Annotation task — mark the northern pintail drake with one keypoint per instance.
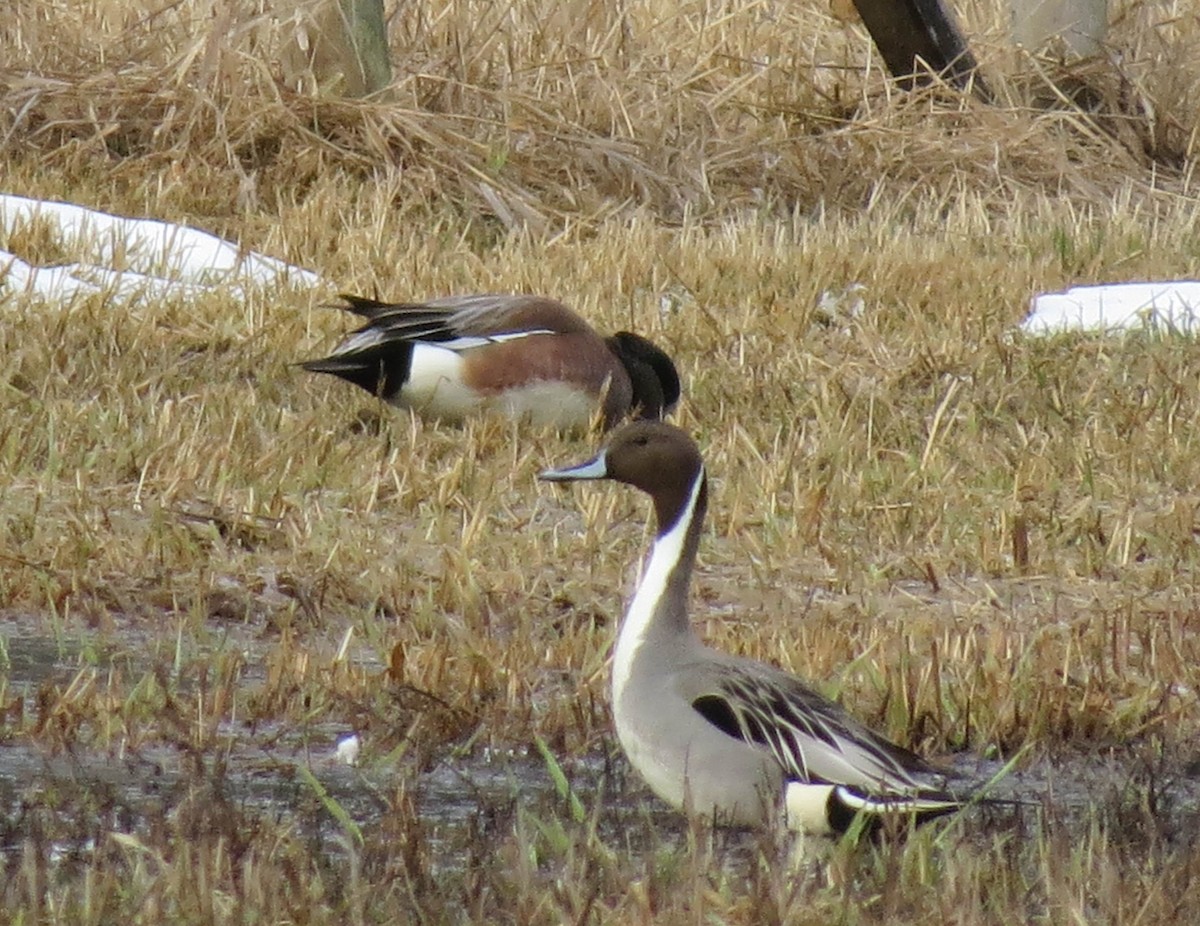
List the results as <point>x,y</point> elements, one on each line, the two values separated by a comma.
<point>723,736</point>
<point>525,357</point>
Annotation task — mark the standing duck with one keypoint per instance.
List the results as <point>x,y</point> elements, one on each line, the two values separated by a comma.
<point>722,736</point>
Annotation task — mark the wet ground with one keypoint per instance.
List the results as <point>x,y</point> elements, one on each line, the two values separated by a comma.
<point>68,798</point>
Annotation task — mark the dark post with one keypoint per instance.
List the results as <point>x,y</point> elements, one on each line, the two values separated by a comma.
<point>915,35</point>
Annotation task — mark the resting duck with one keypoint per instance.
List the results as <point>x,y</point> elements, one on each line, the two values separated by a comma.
<point>525,357</point>
<point>723,736</point>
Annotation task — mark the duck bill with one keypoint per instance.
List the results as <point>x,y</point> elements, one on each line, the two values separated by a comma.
<point>595,468</point>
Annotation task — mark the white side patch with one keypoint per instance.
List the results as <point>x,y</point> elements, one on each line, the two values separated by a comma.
<point>806,808</point>
<point>664,557</point>
<point>807,805</point>
<point>435,383</point>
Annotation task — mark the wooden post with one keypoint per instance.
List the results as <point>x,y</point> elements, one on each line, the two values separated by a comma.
<point>341,45</point>
<point>366,33</point>
<point>1079,25</point>
<point>909,32</point>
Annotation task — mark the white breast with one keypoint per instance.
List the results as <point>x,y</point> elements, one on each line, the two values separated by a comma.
<point>547,403</point>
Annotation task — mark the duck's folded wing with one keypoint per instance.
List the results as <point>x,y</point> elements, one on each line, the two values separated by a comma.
<point>492,315</point>
<point>461,322</point>
<point>813,739</point>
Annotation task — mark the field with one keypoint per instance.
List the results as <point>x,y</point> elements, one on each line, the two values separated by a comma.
<point>212,563</point>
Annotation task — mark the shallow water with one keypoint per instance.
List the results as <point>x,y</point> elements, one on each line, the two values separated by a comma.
<point>76,795</point>
<point>260,771</point>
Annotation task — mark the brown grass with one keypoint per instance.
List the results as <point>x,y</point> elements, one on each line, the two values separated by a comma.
<point>983,543</point>
<point>543,115</point>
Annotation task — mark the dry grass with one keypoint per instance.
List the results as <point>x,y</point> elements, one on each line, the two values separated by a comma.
<point>983,543</point>
<point>543,116</point>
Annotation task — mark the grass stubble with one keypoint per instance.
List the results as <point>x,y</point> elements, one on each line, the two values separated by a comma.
<point>981,542</point>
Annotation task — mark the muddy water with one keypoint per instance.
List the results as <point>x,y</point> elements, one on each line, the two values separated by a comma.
<point>263,772</point>
<point>77,795</point>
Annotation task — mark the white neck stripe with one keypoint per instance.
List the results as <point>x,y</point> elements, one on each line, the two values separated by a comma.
<point>664,557</point>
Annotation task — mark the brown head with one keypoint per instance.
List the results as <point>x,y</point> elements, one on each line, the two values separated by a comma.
<point>658,458</point>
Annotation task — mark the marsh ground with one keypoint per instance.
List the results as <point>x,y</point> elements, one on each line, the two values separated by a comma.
<point>214,564</point>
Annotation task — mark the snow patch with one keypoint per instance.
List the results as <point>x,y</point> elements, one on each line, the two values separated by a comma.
<point>131,258</point>
<point>1117,307</point>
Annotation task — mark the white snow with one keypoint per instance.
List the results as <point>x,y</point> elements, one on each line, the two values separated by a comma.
<point>1117,307</point>
<point>130,258</point>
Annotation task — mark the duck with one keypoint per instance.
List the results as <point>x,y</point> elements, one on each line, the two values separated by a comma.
<point>525,357</point>
<point>726,737</point>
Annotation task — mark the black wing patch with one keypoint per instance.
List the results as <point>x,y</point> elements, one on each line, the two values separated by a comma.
<point>716,710</point>
<point>791,720</point>
<point>750,726</point>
